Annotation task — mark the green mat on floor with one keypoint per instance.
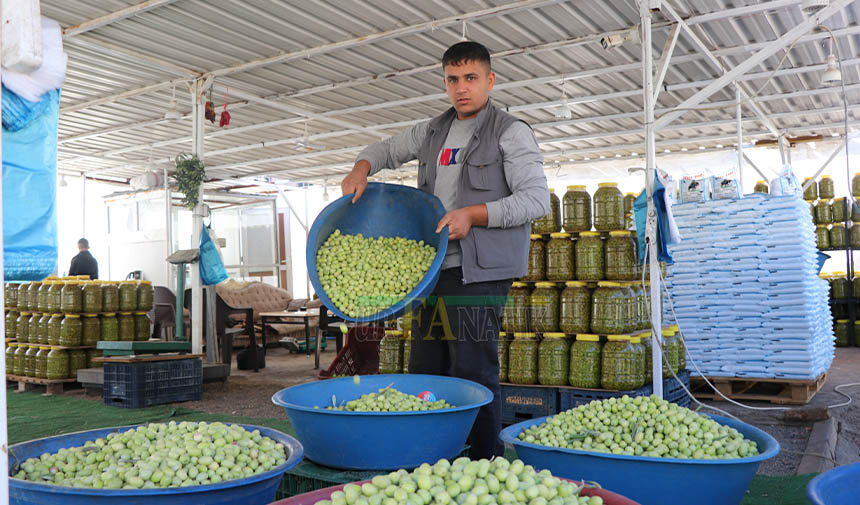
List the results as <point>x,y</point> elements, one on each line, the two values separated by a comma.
<point>31,415</point>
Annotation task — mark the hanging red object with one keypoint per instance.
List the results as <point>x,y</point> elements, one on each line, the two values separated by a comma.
<point>225,116</point>
<point>209,112</point>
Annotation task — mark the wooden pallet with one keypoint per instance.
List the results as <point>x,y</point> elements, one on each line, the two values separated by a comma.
<point>52,386</point>
<point>778,391</point>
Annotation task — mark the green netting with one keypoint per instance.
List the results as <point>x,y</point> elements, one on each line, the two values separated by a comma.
<point>790,490</point>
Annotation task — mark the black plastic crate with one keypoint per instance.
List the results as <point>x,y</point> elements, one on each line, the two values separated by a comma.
<point>673,392</point>
<point>520,403</point>
<point>139,385</point>
<point>573,397</point>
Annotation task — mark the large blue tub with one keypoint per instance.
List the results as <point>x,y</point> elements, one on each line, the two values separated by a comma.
<point>257,489</point>
<point>384,210</point>
<point>382,440</point>
<point>653,481</point>
<point>839,486</point>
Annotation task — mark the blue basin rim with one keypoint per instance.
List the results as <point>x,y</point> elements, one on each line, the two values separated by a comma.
<point>291,444</point>
<point>509,435</point>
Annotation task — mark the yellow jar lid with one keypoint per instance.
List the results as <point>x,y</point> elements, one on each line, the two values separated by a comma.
<point>583,337</point>
<point>807,178</point>
<point>552,190</point>
<point>553,334</point>
<point>33,346</point>
<point>559,234</point>
<point>821,226</point>
<point>618,338</point>
<point>589,234</point>
<point>109,314</point>
<point>51,278</point>
<point>145,282</point>
<point>12,344</point>
<point>761,182</point>
<point>675,328</point>
<point>631,194</point>
<point>576,187</point>
<point>90,315</point>
<point>140,313</point>
<point>825,177</point>
<point>635,340</point>
<point>839,224</point>
<point>644,335</point>
<point>619,233</point>
<point>24,313</point>
<point>73,282</point>
<point>846,321</point>
<point>73,315</point>
<point>518,284</point>
<point>82,277</point>
<point>840,199</point>
<point>125,313</point>
<point>576,284</point>
<point>394,333</point>
<point>607,185</point>
<point>544,284</point>
<point>609,284</point>
<point>668,332</point>
<point>526,334</point>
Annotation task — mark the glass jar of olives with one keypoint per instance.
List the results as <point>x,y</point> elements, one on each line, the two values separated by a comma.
<point>559,257</point>
<point>590,259</point>
<point>839,210</point>
<point>761,187</point>
<point>823,213</point>
<point>629,201</point>
<point>91,355</point>
<point>838,236</point>
<point>70,331</point>
<point>622,366</point>
<point>11,299</point>
<point>645,340</point>
<point>822,237</point>
<point>20,359</point>
<point>110,296</point>
<point>854,235</point>
<point>54,300</point>
<point>523,359</point>
<point>516,313</point>
<point>92,297</point>
<point>551,222</point>
<point>11,321</point>
<point>585,357</point>
<point>608,207</point>
<point>553,360</point>
<point>127,296</point>
<point>54,325</point>
<point>109,327</point>
<point>43,328</point>
<point>33,295</point>
<point>855,287</point>
<point>577,209</point>
<point>825,188</point>
<point>811,191</point>
<point>537,259</point>
<point>11,349</point>
<point>22,327</point>
<point>30,363</point>
<point>391,352</point>
<point>33,328</point>
<point>57,363</point>
<point>543,307</point>
<point>90,329</point>
<point>141,326</point>
<point>125,322</point>
<point>682,349</point>
<point>609,308</point>
<point>840,286</point>
<point>42,296</point>
<point>670,350</point>
<point>72,297</point>
<point>575,308</point>
<point>40,363</point>
<point>145,294</point>
<point>502,349</point>
<point>621,252</point>
<point>855,184</point>
<point>24,296</point>
<point>77,360</point>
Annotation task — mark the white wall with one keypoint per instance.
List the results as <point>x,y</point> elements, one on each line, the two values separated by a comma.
<point>70,215</point>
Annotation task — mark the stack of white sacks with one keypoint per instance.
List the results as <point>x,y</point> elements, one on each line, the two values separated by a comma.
<point>746,290</point>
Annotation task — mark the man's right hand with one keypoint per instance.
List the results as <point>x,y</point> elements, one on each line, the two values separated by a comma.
<point>356,181</point>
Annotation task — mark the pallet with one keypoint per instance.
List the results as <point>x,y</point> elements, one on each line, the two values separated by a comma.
<point>777,391</point>
<point>52,386</point>
<point>145,358</point>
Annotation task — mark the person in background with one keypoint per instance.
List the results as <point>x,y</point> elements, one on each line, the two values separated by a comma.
<point>487,169</point>
<point>84,263</point>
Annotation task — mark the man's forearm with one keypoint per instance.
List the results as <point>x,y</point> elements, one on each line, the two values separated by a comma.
<point>478,213</point>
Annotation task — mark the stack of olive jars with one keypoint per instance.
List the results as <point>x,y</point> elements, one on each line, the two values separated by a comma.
<point>837,222</point>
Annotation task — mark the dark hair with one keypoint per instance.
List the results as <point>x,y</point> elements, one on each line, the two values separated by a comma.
<point>462,52</point>
<point>84,243</point>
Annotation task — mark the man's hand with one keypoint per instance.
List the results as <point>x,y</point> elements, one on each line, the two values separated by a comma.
<point>356,181</point>
<point>460,221</point>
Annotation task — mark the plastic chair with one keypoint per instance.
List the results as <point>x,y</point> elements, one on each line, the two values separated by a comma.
<point>224,333</point>
<point>163,313</point>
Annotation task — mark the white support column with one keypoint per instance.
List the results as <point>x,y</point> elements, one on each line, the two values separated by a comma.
<point>650,170</point>
<point>740,129</point>
<point>781,144</point>
<point>83,204</point>
<point>168,230</point>
<point>196,283</point>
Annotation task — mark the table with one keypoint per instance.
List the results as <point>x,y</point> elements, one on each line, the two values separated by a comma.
<point>268,318</point>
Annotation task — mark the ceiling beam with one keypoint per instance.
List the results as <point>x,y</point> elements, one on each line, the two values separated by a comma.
<point>113,17</point>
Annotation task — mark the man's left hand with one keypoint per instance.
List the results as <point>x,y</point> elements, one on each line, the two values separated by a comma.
<point>460,221</point>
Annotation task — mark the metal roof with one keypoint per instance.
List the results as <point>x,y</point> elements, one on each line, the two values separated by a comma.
<point>354,71</point>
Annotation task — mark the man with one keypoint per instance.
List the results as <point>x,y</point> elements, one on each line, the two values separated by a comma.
<point>486,168</point>
<point>84,263</point>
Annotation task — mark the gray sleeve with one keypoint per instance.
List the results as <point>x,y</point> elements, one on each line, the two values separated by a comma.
<point>395,151</point>
<point>524,174</point>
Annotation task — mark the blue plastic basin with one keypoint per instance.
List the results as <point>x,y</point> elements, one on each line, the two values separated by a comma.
<point>257,489</point>
<point>839,486</point>
<point>382,440</point>
<point>653,481</point>
<point>384,210</point>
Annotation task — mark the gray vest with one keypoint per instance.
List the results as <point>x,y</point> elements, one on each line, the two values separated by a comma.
<point>488,254</point>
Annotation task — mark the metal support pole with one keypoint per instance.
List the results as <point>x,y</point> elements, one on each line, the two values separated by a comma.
<point>307,271</point>
<point>781,143</point>
<point>180,302</point>
<point>196,283</point>
<point>830,159</point>
<point>650,170</point>
<point>168,228</point>
<point>740,129</point>
<point>83,205</point>
<point>755,167</point>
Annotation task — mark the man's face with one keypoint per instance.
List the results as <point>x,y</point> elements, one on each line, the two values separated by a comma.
<point>468,86</point>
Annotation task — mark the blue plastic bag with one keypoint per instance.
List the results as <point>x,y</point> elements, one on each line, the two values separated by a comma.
<point>640,211</point>
<point>212,269</point>
<point>30,190</point>
<point>18,112</point>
